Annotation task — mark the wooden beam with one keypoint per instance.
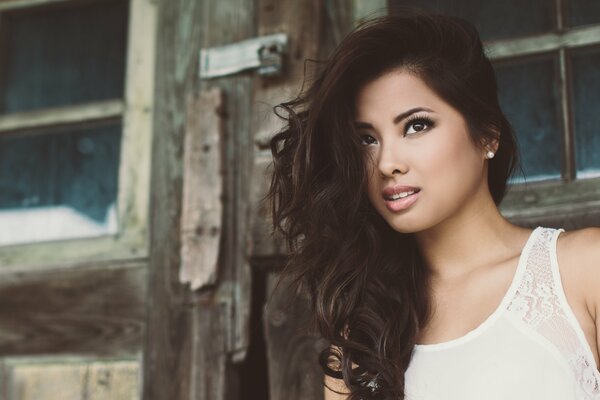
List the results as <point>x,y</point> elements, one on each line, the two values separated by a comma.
<point>294,371</point>
<point>304,23</point>
<point>16,4</point>
<point>575,37</point>
<point>314,27</point>
<point>194,337</point>
<point>551,198</point>
<point>60,116</point>
<point>136,144</point>
<point>223,23</point>
<point>168,343</point>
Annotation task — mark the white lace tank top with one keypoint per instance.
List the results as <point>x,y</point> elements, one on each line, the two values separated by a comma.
<point>530,348</point>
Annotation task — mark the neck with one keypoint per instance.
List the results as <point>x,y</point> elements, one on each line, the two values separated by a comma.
<point>474,237</point>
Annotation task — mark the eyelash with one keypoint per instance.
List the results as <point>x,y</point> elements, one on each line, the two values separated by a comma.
<point>412,120</point>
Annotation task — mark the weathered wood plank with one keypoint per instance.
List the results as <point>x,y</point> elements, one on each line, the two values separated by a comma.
<point>569,221</point>
<point>92,310</point>
<point>47,382</point>
<point>209,321</point>
<point>117,380</point>
<point>294,371</point>
<point>538,199</point>
<point>43,379</point>
<point>264,243</point>
<point>229,22</point>
<point>202,207</point>
<point>174,366</point>
<point>302,21</point>
<point>168,344</point>
<point>136,147</point>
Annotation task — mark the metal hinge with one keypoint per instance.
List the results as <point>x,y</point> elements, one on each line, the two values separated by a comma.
<point>263,53</point>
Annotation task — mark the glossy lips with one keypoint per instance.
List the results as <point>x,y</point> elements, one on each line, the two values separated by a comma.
<point>402,203</point>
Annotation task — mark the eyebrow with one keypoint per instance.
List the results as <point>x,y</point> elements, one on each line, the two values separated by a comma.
<point>397,118</point>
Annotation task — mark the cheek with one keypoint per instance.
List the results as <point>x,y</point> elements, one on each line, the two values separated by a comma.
<point>453,166</point>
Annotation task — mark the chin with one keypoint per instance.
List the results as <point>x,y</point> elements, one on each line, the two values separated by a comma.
<point>405,229</point>
<point>402,223</point>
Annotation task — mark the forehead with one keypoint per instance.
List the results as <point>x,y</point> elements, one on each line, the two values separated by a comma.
<point>399,90</point>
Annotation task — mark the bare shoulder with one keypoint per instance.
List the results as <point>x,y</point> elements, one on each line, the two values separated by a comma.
<point>338,386</point>
<point>333,385</point>
<point>579,252</point>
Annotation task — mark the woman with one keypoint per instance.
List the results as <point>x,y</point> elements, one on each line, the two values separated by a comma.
<point>386,184</point>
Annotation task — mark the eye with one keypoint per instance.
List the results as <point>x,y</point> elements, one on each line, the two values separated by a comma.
<point>419,123</point>
<point>367,139</point>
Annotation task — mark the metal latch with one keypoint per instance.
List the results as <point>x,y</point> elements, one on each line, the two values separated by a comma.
<point>263,53</point>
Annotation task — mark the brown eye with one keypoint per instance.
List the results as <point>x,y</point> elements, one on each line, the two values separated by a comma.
<point>367,139</point>
<point>418,124</point>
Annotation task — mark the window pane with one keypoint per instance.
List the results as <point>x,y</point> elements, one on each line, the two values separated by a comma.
<point>583,12</point>
<point>494,19</point>
<point>529,95</point>
<point>59,185</point>
<point>586,98</point>
<point>63,55</point>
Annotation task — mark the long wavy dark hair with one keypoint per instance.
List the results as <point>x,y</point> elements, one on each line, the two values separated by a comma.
<point>367,283</point>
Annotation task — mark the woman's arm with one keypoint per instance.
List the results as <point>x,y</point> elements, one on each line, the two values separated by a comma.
<point>582,256</point>
<point>590,247</point>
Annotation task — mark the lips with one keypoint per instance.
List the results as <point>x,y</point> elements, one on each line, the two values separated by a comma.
<point>402,203</point>
<point>389,191</point>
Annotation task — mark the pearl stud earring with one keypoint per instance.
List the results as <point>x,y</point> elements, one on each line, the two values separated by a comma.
<point>490,154</point>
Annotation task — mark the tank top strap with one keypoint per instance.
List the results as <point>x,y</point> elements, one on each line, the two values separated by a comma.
<point>541,304</point>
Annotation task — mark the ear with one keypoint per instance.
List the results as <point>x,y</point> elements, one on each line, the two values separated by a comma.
<point>492,144</point>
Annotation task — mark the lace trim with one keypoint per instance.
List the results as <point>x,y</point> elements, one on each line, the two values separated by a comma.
<point>538,304</point>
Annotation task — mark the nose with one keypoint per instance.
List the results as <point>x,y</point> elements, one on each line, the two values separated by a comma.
<point>391,160</point>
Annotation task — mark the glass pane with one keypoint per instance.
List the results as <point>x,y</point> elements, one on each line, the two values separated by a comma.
<point>586,99</point>
<point>59,185</point>
<point>583,12</point>
<point>63,55</point>
<point>494,19</point>
<point>529,95</point>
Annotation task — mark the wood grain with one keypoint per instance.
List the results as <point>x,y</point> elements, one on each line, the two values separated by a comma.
<point>294,372</point>
<point>183,356</point>
<point>64,380</point>
<point>202,209</point>
<point>93,310</point>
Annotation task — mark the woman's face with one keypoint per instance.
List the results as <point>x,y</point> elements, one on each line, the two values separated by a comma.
<point>418,140</point>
